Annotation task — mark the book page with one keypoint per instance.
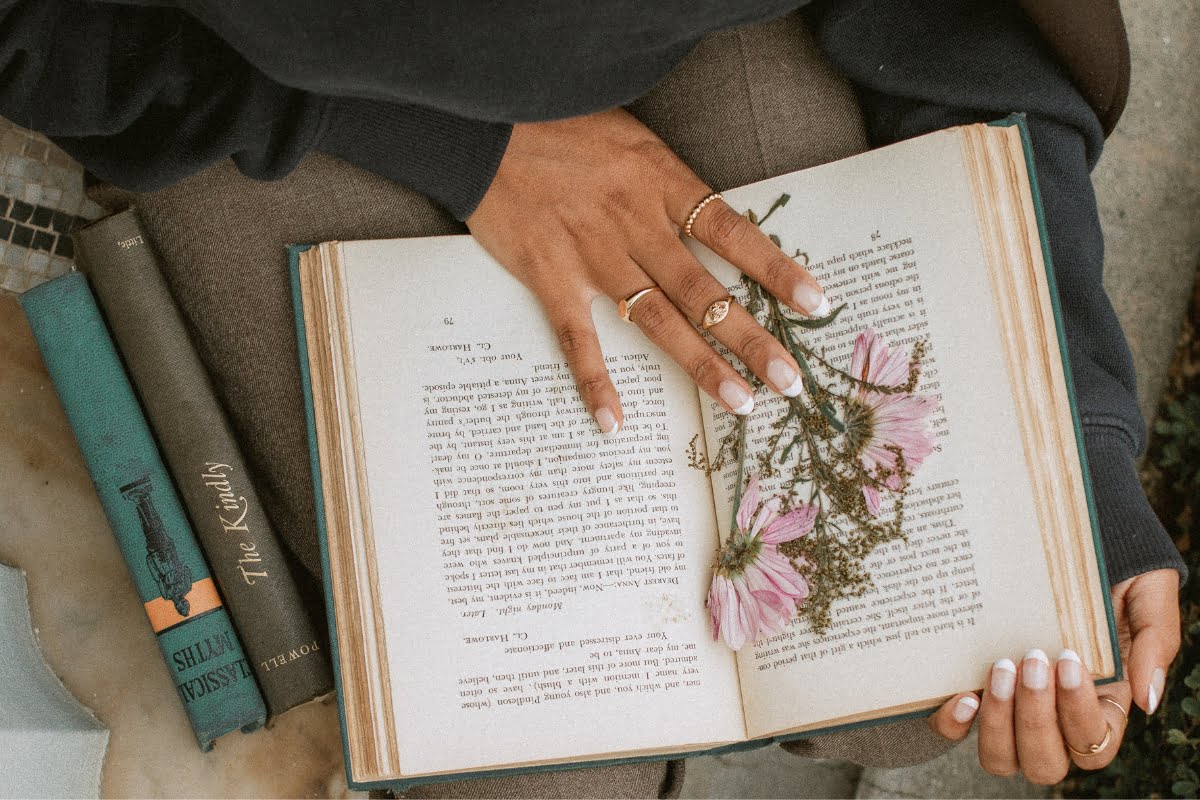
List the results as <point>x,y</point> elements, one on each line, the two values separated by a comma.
<point>542,584</point>
<point>893,234</point>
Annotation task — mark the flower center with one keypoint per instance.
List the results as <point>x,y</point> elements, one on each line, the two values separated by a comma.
<point>860,426</point>
<point>739,552</point>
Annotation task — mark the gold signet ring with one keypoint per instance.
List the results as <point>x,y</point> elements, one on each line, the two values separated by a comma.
<point>717,312</point>
<point>625,307</point>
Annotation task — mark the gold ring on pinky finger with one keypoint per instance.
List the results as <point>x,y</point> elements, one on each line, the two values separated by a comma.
<point>1093,748</point>
<point>1121,708</point>
<point>687,226</point>
<point>625,307</point>
<point>717,312</point>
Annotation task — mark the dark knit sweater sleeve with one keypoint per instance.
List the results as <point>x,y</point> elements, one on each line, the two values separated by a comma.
<point>144,96</point>
<point>922,65</point>
<point>451,159</point>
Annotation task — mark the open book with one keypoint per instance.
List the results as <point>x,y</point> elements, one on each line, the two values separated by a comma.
<point>510,589</point>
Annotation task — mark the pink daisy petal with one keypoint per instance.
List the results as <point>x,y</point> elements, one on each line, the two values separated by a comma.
<point>766,516</point>
<point>871,495</point>
<point>792,525</point>
<point>773,614</point>
<point>749,504</point>
<point>872,361</point>
<point>731,616</point>
<point>802,594</point>
<point>747,619</point>
<point>714,605</point>
<point>774,570</point>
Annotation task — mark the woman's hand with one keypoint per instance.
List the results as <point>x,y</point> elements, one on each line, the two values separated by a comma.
<point>1031,711</point>
<point>593,206</point>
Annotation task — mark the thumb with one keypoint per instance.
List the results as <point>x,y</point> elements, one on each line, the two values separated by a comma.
<point>1151,606</point>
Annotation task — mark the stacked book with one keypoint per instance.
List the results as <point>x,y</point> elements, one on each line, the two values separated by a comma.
<point>218,591</point>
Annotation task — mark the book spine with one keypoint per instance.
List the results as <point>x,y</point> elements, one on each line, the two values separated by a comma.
<point>199,447</point>
<point>197,639</point>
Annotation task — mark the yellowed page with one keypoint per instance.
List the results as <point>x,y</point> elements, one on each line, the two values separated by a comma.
<point>894,234</point>
<point>542,584</point>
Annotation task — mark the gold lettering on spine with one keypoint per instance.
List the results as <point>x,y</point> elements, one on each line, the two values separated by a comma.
<point>232,509</point>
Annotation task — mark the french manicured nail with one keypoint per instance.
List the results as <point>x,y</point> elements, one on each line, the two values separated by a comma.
<point>812,300</point>
<point>740,401</point>
<point>1158,682</point>
<point>965,708</point>
<point>1070,669</point>
<point>784,378</point>
<point>607,420</point>
<point>1004,679</point>
<point>1035,670</point>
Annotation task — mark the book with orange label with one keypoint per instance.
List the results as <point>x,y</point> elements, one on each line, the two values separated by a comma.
<point>198,642</point>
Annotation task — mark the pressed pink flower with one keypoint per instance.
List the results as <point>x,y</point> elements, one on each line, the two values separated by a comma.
<point>755,589</point>
<point>871,495</point>
<point>878,424</point>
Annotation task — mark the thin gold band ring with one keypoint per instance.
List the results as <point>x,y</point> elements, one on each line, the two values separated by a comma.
<point>625,307</point>
<point>1093,749</point>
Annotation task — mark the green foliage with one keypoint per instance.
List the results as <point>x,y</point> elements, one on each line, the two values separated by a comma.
<point>1179,427</point>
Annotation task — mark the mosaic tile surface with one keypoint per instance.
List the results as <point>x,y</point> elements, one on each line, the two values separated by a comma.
<point>41,202</point>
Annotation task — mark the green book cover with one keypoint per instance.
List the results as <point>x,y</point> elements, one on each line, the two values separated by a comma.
<point>197,639</point>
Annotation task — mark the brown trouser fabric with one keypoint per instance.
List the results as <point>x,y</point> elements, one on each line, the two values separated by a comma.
<point>747,104</point>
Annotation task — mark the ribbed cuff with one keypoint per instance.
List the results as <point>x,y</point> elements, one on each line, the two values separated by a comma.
<point>1134,540</point>
<point>449,158</point>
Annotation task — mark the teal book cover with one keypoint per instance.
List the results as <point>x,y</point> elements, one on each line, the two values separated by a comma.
<point>403,784</point>
<point>199,645</point>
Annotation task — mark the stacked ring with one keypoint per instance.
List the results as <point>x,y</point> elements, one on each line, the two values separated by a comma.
<point>687,226</point>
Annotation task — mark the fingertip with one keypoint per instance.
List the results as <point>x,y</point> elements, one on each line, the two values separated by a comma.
<point>1148,657</point>
<point>609,422</point>
<point>736,397</point>
<point>808,298</point>
<point>954,719</point>
<point>1154,691</point>
<point>965,709</point>
<point>1071,674</point>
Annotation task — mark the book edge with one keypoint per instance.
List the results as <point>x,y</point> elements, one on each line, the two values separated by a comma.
<point>1018,121</point>
<point>310,424</point>
<point>404,784</point>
